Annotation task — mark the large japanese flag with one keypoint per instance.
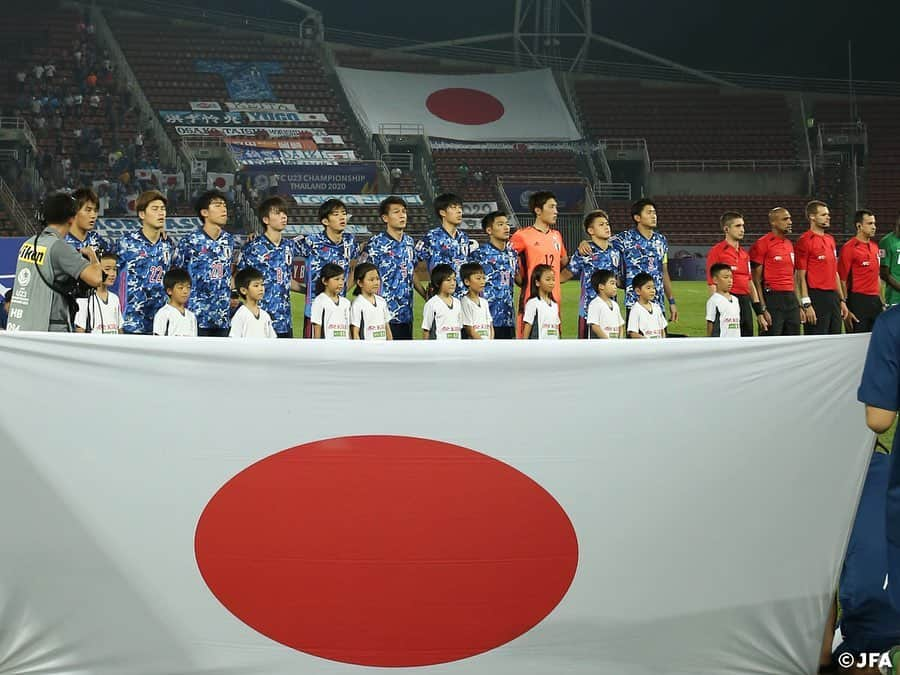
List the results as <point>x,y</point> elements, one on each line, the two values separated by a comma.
<point>198,506</point>
<point>506,107</point>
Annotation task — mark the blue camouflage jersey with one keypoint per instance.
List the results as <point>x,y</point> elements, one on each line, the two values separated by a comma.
<point>640,254</point>
<point>583,267</point>
<point>319,250</point>
<point>438,247</point>
<point>91,239</point>
<point>142,266</point>
<point>500,272</point>
<point>209,263</point>
<point>275,262</point>
<point>395,261</point>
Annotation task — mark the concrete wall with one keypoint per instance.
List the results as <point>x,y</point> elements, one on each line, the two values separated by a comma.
<point>792,182</point>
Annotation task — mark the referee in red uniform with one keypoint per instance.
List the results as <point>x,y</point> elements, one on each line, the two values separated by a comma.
<point>729,252</point>
<point>772,261</point>
<point>821,296</point>
<point>858,266</point>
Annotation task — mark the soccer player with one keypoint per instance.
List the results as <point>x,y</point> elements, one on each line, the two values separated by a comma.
<point>647,320</point>
<point>604,318</point>
<point>540,244</point>
<point>273,255</point>
<point>207,254</point>
<point>101,312</point>
<point>476,312</point>
<point>729,252</point>
<point>540,320</point>
<point>251,320</point>
<point>174,318</point>
<point>772,262</point>
<point>331,310</point>
<point>446,244</point>
<point>723,312</point>
<point>144,258</point>
<point>393,253</point>
<point>441,316</point>
<point>82,232</point>
<point>501,266</point>
<point>890,265</point>
<point>645,251</point>
<point>603,256</point>
<point>370,318</point>
<point>858,270</point>
<point>816,256</point>
<point>331,245</point>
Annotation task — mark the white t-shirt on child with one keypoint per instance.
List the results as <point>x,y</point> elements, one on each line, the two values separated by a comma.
<point>169,321</point>
<point>543,317</point>
<point>370,318</point>
<point>333,317</point>
<point>477,315</point>
<point>245,325</point>
<point>651,324</point>
<point>442,321</point>
<point>606,314</point>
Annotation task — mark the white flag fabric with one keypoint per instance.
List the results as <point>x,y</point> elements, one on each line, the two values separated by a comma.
<point>219,181</point>
<point>199,506</point>
<point>524,106</point>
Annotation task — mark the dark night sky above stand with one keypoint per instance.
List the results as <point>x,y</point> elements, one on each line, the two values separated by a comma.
<point>783,37</point>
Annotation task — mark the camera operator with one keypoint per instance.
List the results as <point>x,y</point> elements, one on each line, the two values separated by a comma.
<point>48,272</point>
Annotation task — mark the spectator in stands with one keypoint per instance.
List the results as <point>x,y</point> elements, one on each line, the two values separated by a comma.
<point>21,77</point>
<point>478,176</point>
<point>729,252</point>
<point>603,256</point>
<point>540,244</point>
<point>821,298</point>
<point>645,250</point>
<point>858,270</point>
<point>273,255</point>
<point>396,175</point>
<point>50,71</point>
<point>393,254</point>
<point>38,71</point>
<point>331,245</point>
<point>889,249</point>
<point>463,171</point>
<point>446,244</point>
<point>44,302</point>
<point>772,264</point>
<point>501,267</point>
<point>82,232</point>
<point>208,256</point>
<point>145,255</point>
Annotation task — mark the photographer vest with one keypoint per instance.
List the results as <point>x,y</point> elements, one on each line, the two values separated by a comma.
<point>32,296</point>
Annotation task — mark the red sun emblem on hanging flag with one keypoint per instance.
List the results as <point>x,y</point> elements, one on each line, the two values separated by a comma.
<point>465,106</point>
<point>220,183</point>
<point>386,550</point>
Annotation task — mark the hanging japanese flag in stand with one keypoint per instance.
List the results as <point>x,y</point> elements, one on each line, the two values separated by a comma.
<point>219,181</point>
<point>426,529</point>
<point>524,106</point>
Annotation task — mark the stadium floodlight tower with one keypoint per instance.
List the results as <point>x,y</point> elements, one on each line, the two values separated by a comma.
<point>539,26</point>
<point>311,25</point>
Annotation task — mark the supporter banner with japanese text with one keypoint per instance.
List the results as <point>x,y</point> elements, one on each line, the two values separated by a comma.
<point>249,156</point>
<point>201,117</point>
<point>274,132</point>
<point>283,116</point>
<point>252,106</point>
<point>374,523</point>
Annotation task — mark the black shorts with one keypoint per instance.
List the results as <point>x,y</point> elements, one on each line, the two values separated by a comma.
<point>289,334</point>
<point>212,332</point>
<point>504,332</point>
<point>401,331</point>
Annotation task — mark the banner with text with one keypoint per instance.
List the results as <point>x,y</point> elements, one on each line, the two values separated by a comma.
<point>569,196</point>
<point>201,117</point>
<point>205,105</point>
<point>473,212</point>
<point>273,132</point>
<point>286,116</point>
<point>353,200</point>
<point>250,106</point>
<point>256,157</point>
<point>338,179</point>
<point>327,543</point>
<point>245,80</point>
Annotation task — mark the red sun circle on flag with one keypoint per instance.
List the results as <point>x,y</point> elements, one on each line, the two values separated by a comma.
<point>219,183</point>
<point>386,551</point>
<point>465,106</point>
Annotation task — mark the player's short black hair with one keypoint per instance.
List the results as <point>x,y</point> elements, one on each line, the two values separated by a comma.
<point>387,202</point>
<point>638,207</point>
<point>245,277</point>
<point>445,201</point>
<point>640,279</point>
<point>538,199</point>
<point>716,269</point>
<point>468,269</point>
<point>203,201</point>
<point>108,255</point>
<point>275,203</point>
<point>600,277</point>
<point>59,208</point>
<point>859,215</point>
<point>489,219</point>
<point>328,207</point>
<point>84,195</point>
<point>592,216</point>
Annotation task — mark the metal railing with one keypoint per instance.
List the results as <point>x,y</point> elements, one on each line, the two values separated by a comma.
<point>401,129</point>
<point>730,165</point>
<point>809,153</point>
<point>844,134</point>
<point>399,160</point>
<point>24,224</point>
<point>636,145</point>
<point>22,125</point>
<point>613,191</point>
<point>505,204</point>
<point>8,153</point>
<point>427,178</point>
